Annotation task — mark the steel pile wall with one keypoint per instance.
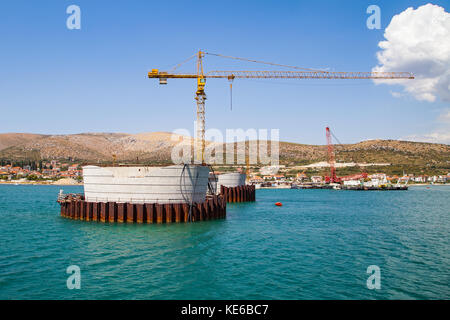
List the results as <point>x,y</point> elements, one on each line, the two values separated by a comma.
<point>213,208</point>
<point>238,194</point>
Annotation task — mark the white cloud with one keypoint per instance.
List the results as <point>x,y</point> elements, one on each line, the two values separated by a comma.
<point>397,94</point>
<point>440,135</point>
<point>418,41</point>
<point>433,137</point>
<point>445,117</point>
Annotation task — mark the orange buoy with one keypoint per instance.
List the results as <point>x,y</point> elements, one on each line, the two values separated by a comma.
<point>278,204</point>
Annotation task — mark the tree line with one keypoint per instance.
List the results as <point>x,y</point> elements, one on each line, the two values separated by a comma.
<point>34,165</point>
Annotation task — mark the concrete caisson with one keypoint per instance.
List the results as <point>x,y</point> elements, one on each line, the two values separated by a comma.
<point>144,195</point>
<point>233,188</point>
<point>172,184</point>
<point>231,180</point>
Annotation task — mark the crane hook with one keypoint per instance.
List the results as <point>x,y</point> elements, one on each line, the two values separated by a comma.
<point>231,78</point>
<point>231,96</point>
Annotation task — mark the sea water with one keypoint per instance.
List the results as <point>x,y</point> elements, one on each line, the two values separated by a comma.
<point>318,245</point>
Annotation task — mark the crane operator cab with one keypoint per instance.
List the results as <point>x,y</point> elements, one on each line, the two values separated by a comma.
<point>201,82</point>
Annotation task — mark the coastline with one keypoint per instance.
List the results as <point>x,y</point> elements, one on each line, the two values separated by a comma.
<point>55,183</point>
<point>70,183</point>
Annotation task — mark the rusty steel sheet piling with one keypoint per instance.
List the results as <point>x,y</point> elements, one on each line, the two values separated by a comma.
<point>89,209</point>
<point>103,211</point>
<point>121,212</point>
<point>112,212</point>
<point>140,213</point>
<point>177,209</point>
<point>238,194</point>
<point>159,213</point>
<point>131,212</point>
<point>150,212</point>
<point>214,207</point>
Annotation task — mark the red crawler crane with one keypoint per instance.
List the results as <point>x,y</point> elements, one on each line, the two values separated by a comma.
<point>331,160</point>
<point>332,178</point>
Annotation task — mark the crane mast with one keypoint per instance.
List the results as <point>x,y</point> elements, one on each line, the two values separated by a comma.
<point>201,77</point>
<point>200,97</point>
<point>331,159</point>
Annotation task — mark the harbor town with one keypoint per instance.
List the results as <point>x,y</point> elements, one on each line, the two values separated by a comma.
<point>56,172</point>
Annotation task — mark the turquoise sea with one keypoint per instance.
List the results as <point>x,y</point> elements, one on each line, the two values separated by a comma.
<point>318,245</point>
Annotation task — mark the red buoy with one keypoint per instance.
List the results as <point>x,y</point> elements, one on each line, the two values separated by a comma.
<point>278,204</point>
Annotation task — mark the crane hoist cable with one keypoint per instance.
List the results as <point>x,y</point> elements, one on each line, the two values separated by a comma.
<point>263,62</point>
<point>254,61</point>
<point>182,62</point>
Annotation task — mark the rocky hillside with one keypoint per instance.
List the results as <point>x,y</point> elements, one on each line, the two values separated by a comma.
<point>89,147</point>
<point>14,139</point>
<point>157,147</point>
<point>371,151</point>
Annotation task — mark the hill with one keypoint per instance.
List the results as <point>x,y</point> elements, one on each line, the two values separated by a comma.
<point>13,139</point>
<point>156,147</point>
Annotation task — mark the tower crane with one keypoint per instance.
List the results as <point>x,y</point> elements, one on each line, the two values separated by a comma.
<point>300,73</point>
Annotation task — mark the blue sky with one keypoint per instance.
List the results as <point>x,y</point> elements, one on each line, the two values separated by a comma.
<point>55,80</point>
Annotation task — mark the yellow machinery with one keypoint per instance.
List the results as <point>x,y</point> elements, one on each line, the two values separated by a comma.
<point>305,73</point>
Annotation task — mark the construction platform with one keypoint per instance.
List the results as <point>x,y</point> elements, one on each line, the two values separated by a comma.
<point>375,188</point>
<point>358,187</point>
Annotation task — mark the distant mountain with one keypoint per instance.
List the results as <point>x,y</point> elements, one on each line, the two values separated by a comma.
<point>98,147</point>
<point>157,147</point>
<point>14,139</point>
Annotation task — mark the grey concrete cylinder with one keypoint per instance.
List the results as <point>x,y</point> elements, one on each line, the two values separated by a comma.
<point>172,184</point>
<point>231,180</point>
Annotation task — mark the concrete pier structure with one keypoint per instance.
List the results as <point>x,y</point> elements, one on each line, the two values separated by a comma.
<point>172,184</point>
<point>144,195</point>
<point>231,180</point>
<point>233,188</point>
